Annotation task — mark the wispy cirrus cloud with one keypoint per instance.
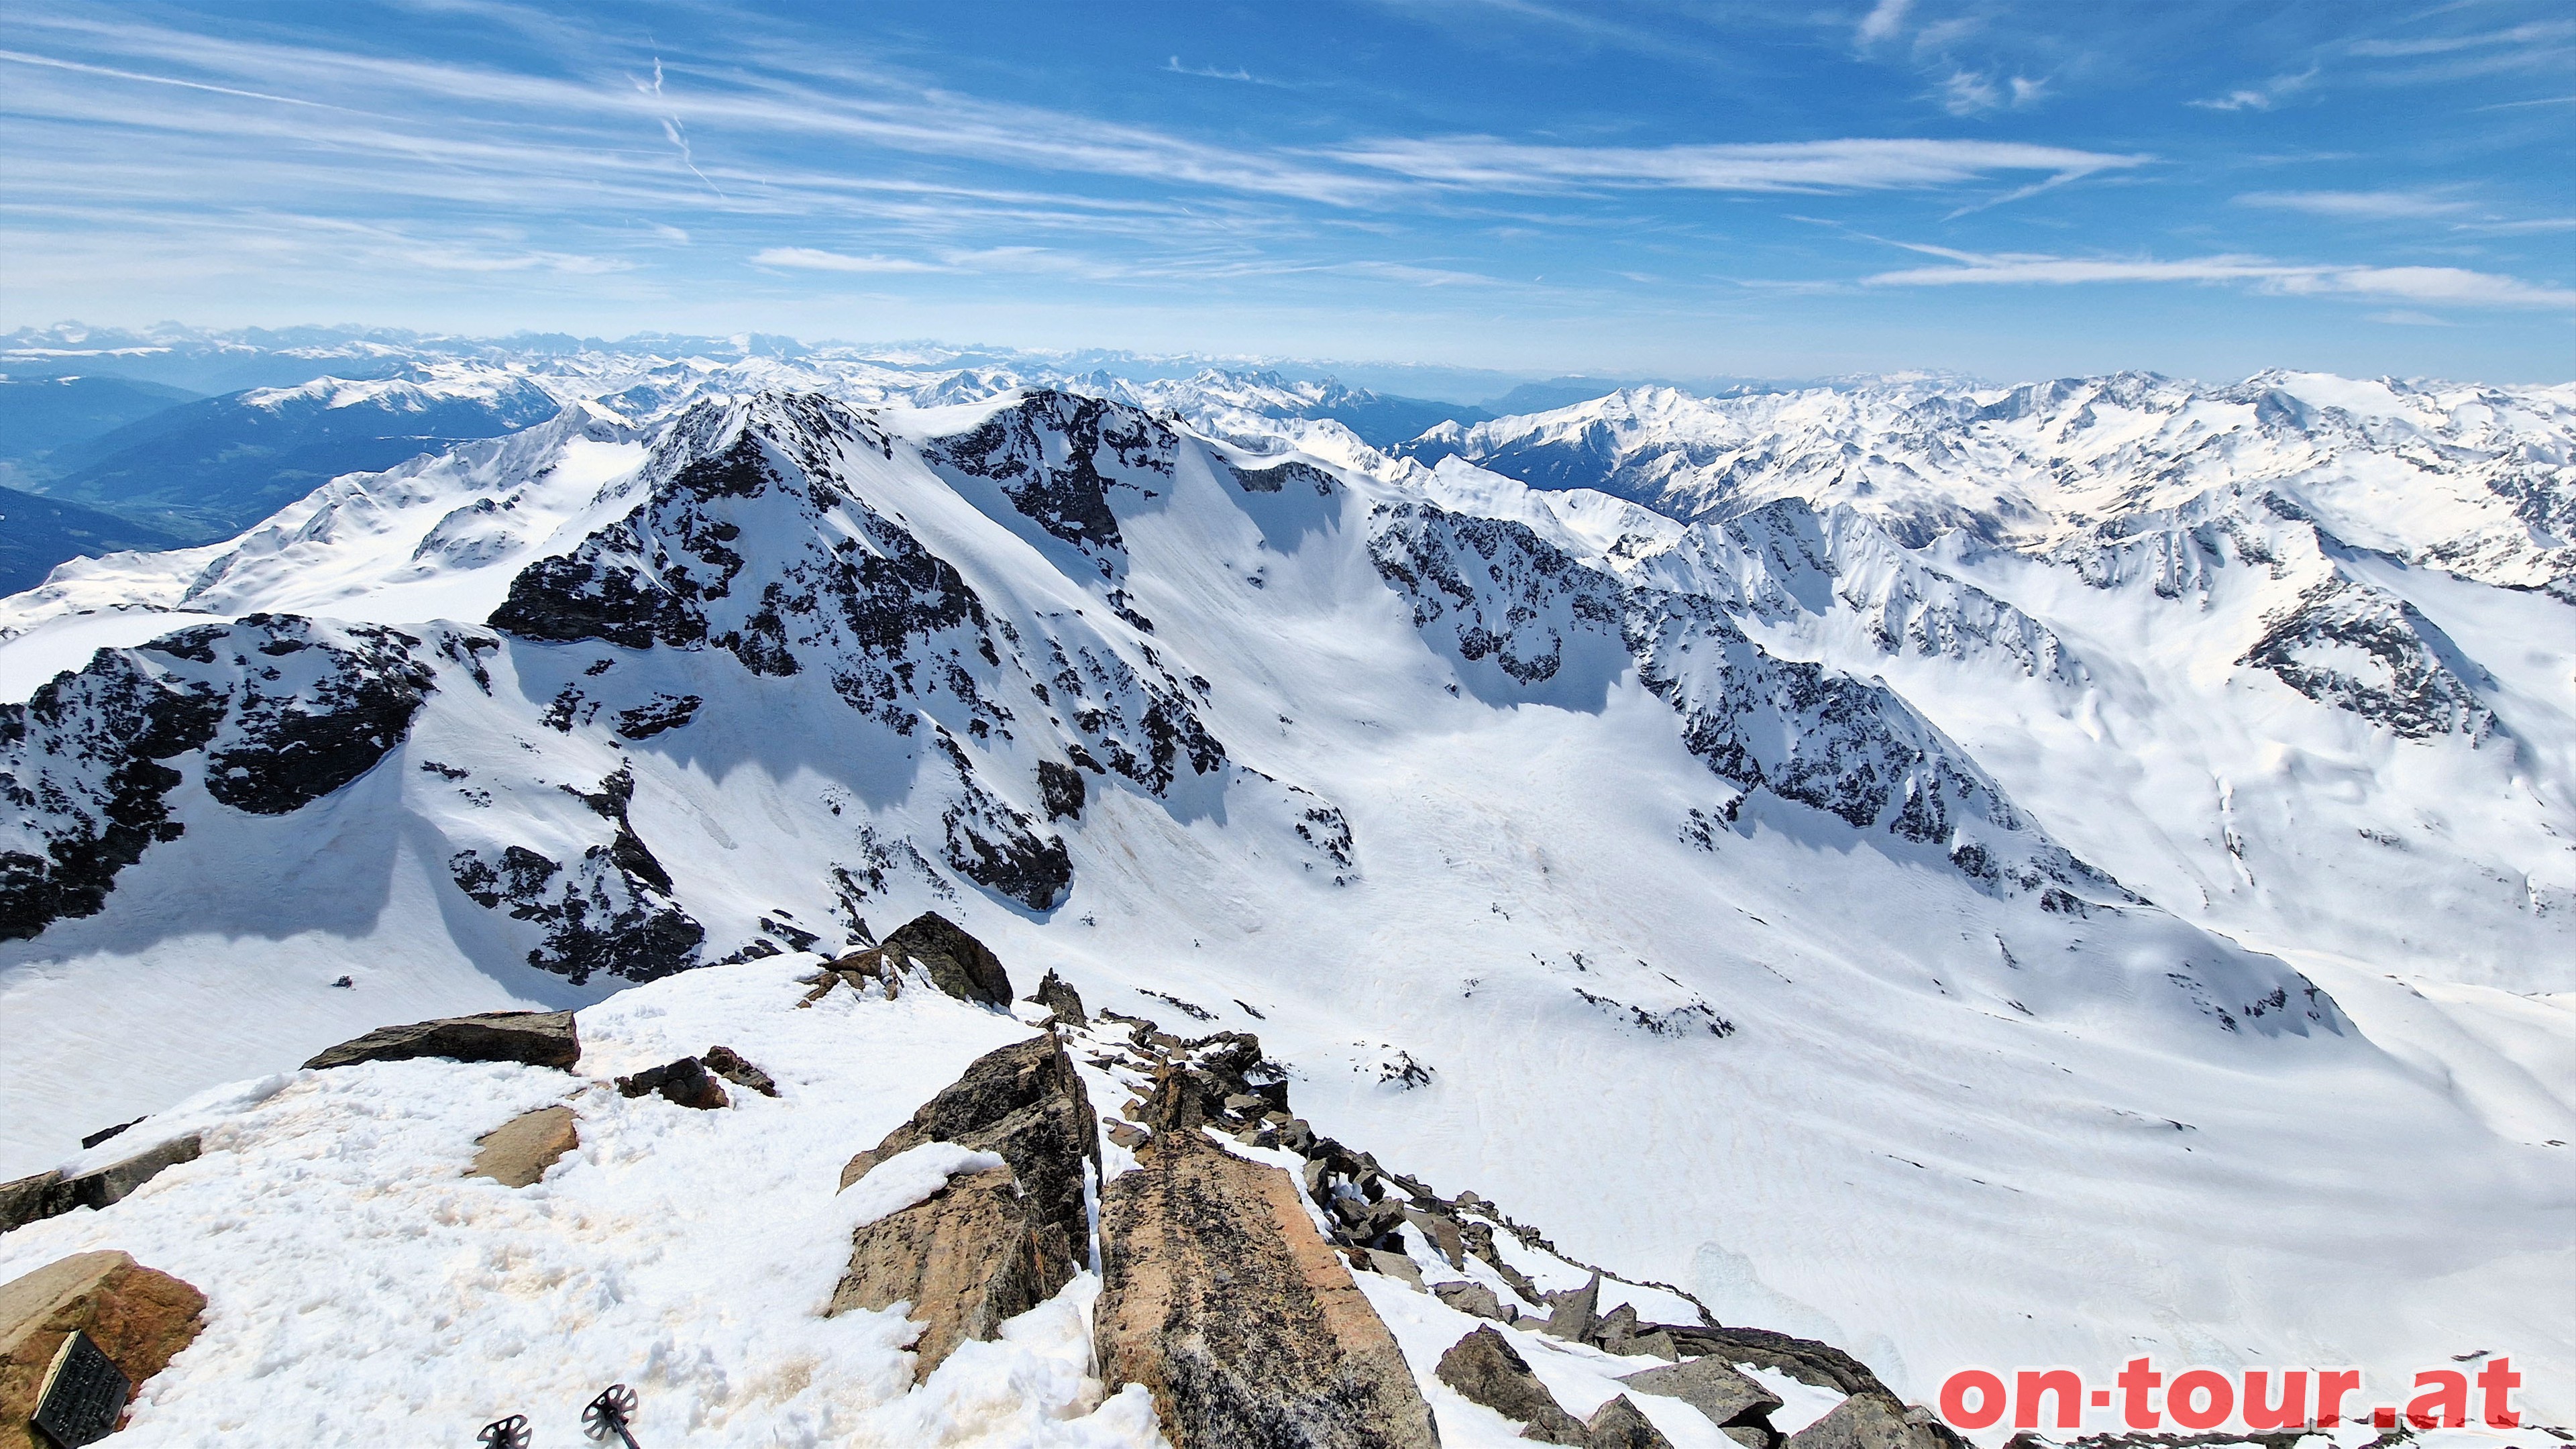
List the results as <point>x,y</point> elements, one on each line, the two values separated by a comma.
<point>814,259</point>
<point>1972,93</point>
<point>1210,72</point>
<point>2430,285</point>
<point>1486,162</point>
<point>2359,205</point>
<point>2261,97</point>
<point>1883,20</point>
<point>2536,33</point>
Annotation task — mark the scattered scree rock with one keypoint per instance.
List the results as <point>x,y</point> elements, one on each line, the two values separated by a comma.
<point>686,1081</point>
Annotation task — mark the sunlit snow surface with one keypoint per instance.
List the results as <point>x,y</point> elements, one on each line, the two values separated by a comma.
<point>1946,1128</point>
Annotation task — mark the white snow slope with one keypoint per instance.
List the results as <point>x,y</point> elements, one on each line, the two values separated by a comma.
<point>2139,929</point>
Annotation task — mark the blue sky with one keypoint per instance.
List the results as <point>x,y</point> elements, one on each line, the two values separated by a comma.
<point>1655,189</point>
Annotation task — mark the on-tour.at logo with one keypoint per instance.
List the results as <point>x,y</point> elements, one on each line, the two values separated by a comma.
<point>2206,1398</point>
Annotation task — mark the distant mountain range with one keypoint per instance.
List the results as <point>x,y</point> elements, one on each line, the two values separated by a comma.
<point>112,420</point>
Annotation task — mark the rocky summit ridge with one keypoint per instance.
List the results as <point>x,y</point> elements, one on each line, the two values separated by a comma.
<point>1246,1281</point>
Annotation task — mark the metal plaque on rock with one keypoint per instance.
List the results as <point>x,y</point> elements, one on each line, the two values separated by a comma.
<point>84,1394</point>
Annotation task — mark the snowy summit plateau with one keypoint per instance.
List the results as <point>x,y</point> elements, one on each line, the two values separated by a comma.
<point>1066,905</point>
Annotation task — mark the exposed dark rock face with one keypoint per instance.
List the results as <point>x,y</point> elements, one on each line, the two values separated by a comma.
<point>1220,1298</point>
<point>612,911</point>
<point>969,1257</point>
<point>1803,1359</point>
<point>754,537</point>
<point>280,710</point>
<point>995,845</point>
<point>1061,787</point>
<point>1027,1103</point>
<point>605,590</point>
<point>1473,1298</point>
<point>537,1038</point>
<point>1787,561</point>
<point>106,1186</point>
<point>1047,455</point>
<point>90,746</point>
<point>1279,476</point>
<point>663,712</point>
<point>27,1199</point>
<point>1502,591</point>
<point>309,725</point>
<point>1571,1315</point>
<point>1485,1369</point>
<point>599,596</point>
<point>50,1194</point>
<point>2356,648</point>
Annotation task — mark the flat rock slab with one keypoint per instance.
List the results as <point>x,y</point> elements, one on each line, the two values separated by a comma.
<point>106,1186</point>
<point>50,1194</point>
<point>1222,1300</point>
<point>1713,1388</point>
<point>1485,1369</point>
<point>538,1038</point>
<point>138,1317</point>
<point>519,1151</point>
<point>966,1258</point>
<point>1025,1102</point>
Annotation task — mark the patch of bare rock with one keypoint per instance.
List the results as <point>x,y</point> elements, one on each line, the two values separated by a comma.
<point>519,1151</point>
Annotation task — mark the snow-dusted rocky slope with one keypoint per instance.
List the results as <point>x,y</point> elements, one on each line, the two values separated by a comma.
<point>2082,932</point>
